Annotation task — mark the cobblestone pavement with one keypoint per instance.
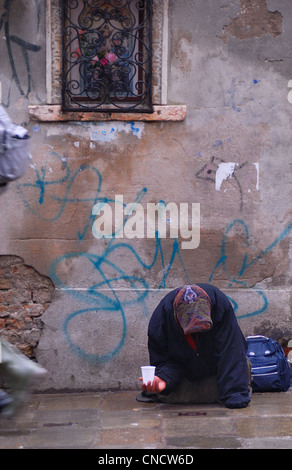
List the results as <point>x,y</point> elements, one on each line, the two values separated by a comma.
<point>115,420</point>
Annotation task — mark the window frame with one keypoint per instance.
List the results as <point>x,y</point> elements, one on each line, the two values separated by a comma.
<point>52,111</point>
<point>72,62</point>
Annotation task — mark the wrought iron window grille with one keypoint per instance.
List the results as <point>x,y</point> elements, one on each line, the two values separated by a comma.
<point>107,55</point>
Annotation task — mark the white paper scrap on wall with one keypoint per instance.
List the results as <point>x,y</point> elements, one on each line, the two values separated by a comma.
<point>224,171</point>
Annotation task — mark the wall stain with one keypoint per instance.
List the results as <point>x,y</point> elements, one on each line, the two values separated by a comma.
<point>253,21</point>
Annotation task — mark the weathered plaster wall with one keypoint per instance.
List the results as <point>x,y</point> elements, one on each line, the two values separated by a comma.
<point>230,62</point>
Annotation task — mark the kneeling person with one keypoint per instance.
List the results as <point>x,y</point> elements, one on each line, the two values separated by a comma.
<point>198,349</point>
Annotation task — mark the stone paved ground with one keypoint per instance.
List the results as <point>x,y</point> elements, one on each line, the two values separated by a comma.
<point>115,420</point>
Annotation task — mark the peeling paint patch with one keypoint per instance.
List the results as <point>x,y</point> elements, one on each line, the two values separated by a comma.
<point>253,20</point>
<point>225,170</point>
<point>108,131</point>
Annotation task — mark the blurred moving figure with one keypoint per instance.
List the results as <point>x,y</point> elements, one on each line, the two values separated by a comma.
<point>21,374</point>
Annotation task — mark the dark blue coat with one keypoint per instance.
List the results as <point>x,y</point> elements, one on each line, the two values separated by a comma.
<point>221,351</point>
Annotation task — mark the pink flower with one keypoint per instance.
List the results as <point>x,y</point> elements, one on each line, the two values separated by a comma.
<point>94,60</point>
<point>103,61</point>
<point>111,57</point>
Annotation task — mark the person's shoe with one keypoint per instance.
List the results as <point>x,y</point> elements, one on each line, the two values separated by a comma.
<point>147,397</point>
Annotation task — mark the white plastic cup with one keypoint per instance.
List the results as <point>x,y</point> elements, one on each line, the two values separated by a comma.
<point>148,374</point>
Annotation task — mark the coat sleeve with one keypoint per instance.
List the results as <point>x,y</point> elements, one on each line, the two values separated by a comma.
<point>166,367</point>
<point>230,352</point>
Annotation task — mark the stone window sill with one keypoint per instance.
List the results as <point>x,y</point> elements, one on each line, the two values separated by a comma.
<point>51,113</point>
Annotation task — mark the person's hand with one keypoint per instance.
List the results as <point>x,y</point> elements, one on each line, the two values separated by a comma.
<point>158,385</point>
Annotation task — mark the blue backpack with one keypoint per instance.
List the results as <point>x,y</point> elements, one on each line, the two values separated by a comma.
<point>270,368</point>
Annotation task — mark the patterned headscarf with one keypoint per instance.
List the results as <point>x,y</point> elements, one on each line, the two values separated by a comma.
<point>192,309</point>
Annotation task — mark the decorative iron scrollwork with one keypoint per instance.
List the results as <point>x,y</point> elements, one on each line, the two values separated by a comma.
<point>107,55</point>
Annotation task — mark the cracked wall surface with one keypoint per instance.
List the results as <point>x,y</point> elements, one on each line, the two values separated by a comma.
<point>254,20</point>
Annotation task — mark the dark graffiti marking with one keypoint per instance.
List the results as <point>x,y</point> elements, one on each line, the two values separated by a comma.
<point>10,7</point>
<point>208,173</point>
<point>209,169</point>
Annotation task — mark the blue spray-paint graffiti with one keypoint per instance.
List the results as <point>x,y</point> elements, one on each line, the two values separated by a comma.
<point>111,301</point>
<point>235,280</point>
<point>104,296</point>
<point>43,182</point>
<point>97,299</point>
